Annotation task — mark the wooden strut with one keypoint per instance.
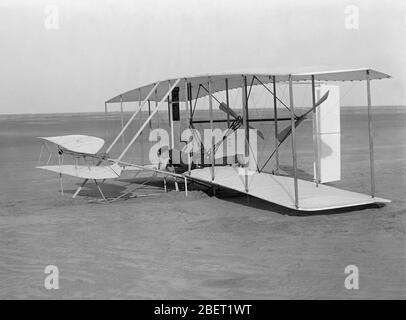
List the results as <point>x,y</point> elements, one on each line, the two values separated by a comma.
<point>106,122</point>
<point>275,108</point>
<point>292,115</point>
<point>122,118</point>
<point>212,160</point>
<point>251,84</point>
<point>50,153</point>
<point>40,154</point>
<point>228,103</point>
<point>246,126</point>
<point>228,119</point>
<point>172,146</point>
<point>98,187</point>
<point>251,120</point>
<point>190,97</point>
<point>315,136</point>
<point>170,117</point>
<point>141,138</point>
<point>189,160</point>
<point>245,97</point>
<point>149,113</point>
<point>60,174</point>
<point>371,137</point>
<point>190,124</point>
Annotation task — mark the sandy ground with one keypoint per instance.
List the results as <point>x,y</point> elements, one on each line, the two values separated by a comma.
<point>172,247</point>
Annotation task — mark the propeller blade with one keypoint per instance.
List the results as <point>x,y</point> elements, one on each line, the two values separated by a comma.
<point>322,99</point>
<point>284,134</point>
<point>288,130</point>
<point>225,108</point>
<point>260,134</point>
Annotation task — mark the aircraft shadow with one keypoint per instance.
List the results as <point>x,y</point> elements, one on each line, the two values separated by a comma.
<point>113,190</point>
<point>91,190</point>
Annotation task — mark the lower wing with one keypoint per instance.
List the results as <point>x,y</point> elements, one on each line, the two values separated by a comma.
<point>86,172</point>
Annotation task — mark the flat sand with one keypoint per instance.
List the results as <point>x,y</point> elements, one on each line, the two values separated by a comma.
<point>200,247</point>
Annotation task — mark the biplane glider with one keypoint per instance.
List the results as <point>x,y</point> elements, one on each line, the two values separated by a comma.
<point>241,171</point>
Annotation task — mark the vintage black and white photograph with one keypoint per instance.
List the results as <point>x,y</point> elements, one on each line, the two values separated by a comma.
<point>202,150</point>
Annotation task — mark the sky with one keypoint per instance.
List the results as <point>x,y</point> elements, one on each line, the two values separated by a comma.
<point>72,55</point>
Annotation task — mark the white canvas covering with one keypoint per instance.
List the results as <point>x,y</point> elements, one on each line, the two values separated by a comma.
<point>235,81</point>
<point>328,134</point>
<point>280,190</point>
<point>77,143</point>
<point>86,172</point>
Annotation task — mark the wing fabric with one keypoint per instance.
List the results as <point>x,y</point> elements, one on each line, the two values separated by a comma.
<point>86,172</point>
<point>77,143</point>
